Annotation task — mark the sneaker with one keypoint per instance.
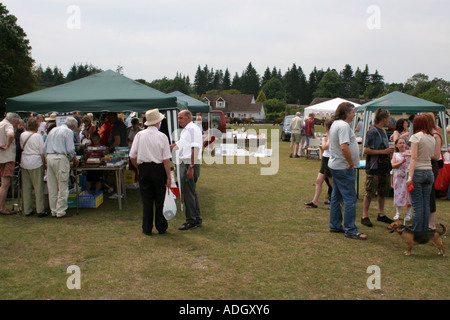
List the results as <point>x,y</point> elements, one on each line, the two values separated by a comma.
<point>384,219</point>
<point>187,226</point>
<point>116,196</point>
<point>366,222</point>
<point>397,217</point>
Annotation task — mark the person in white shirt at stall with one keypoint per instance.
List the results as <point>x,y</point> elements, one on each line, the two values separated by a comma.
<point>32,165</point>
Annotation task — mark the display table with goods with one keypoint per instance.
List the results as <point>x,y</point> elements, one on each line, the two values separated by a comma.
<point>95,159</point>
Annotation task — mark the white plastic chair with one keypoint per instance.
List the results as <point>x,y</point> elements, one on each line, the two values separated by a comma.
<point>314,147</point>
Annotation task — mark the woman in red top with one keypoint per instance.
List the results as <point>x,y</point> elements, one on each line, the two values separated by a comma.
<point>105,130</point>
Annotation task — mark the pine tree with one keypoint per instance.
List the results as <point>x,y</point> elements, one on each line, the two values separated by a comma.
<point>266,77</point>
<point>200,81</point>
<point>226,84</point>
<point>250,81</point>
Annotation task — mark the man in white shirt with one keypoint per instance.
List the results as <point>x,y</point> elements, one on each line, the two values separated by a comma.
<point>190,155</point>
<point>296,126</point>
<point>7,157</point>
<point>344,159</point>
<point>150,153</point>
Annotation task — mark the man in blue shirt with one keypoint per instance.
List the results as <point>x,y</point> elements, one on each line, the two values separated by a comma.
<point>59,150</point>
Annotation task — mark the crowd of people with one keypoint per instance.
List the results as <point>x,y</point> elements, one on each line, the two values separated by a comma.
<point>302,131</point>
<point>42,151</point>
<point>408,161</point>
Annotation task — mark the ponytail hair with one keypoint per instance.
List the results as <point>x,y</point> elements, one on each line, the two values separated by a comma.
<point>380,115</point>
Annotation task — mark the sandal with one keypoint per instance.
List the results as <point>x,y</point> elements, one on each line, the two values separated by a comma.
<point>7,212</point>
<point>357,236</point>
<point>334,230</point>
<point>311,204</point>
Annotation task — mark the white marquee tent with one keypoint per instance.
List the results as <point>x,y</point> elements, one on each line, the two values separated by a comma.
<point>326,108</point>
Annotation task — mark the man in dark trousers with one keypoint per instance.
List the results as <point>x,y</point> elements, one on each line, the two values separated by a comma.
<point>150,153</point>
<point>190,155</point>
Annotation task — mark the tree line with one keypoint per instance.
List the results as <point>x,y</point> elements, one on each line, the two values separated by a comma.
<point>277,90</point>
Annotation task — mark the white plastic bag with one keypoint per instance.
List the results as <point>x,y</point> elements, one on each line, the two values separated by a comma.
<point>170,206</point>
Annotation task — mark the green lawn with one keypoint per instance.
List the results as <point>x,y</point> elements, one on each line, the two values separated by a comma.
<point>258,241</point>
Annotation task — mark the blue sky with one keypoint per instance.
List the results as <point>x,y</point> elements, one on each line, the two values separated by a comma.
<point>151,39</point>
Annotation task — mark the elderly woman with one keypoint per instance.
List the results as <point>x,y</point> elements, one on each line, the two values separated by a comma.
<point>32,164</point>
<point>420,172</point>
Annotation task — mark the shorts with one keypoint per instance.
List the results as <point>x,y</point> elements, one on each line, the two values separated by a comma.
<point>377,184</point>
<point>324,167</point>
<point>308,138</point>
<point>295,137</point>
<point>7,169</point>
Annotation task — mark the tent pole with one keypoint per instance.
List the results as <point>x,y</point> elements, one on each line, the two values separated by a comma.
<point>169,125</point>
<point>176,154</point>
<point>367,116</point>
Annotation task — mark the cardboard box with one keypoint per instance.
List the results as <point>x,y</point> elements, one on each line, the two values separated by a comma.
<point>90,199</point>
<point>86,200</point>
<point>130,176</point>
<point>72,200</point>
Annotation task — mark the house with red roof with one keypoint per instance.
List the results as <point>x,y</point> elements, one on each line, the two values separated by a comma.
<point>238,106</point>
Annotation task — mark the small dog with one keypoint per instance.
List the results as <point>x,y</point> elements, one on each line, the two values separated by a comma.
<point>412,238</point>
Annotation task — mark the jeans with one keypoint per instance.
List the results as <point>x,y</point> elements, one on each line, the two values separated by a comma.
<point>420,199</point>
<point>343,191</point>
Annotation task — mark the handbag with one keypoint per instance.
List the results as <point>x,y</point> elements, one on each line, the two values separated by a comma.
<point>440,162</point>
<point>170,206</point>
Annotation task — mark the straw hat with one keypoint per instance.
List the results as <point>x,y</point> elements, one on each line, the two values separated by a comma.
<point>51,118</point>
<point>153,116</point>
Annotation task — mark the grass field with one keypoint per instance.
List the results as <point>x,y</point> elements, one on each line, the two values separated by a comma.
<point>258,241</point>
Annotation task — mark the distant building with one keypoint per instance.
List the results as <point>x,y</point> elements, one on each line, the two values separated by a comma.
<point>236,105</point>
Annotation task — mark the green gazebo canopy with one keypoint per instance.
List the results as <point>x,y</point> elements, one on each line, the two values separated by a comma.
<point>105,91</point>
<point>193,104</point>
<point>397,102</point>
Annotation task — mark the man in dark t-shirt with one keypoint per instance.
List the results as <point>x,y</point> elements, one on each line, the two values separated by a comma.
<point>118,135</point>
<point>378,166</point>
